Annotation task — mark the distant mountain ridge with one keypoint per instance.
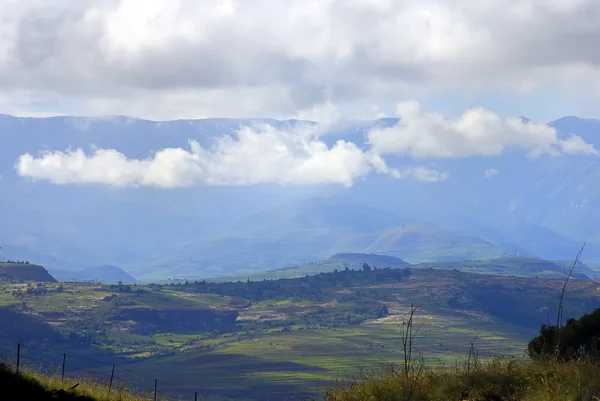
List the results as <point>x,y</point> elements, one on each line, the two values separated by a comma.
<point>541,207</point>
<point>103,274</point>
<point>513,266</point>
<point>372,259</point>
<point>417,242</point>
<point>315,229</point>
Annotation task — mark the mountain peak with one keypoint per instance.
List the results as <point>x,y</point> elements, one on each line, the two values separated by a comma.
<point>104,273</point>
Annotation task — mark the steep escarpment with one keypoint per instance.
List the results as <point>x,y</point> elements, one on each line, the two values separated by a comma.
<point>25,272</point>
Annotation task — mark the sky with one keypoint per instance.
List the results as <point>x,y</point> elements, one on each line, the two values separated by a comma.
<point>458,73</point>
<point>169,59</point>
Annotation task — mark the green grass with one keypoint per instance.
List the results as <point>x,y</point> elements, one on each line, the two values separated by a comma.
<point>297,359</point>
<point>31,385</point>
<point>509,380</point>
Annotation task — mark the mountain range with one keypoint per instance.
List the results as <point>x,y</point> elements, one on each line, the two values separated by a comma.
<point>543,207</point>
<point>102,274</point>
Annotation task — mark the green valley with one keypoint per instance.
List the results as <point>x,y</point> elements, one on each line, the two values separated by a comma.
<point>275,338</point>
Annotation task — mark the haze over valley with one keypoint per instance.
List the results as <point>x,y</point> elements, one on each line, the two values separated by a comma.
<point>87,191</point>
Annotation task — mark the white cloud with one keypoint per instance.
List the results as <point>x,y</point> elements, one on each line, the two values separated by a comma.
<point>477,132</point>
<point>326,114</point>
<point>194,58</point>
<point>255,155</point>
<point>576,145</point>
<point>424,174</point>
<point>491,172</point>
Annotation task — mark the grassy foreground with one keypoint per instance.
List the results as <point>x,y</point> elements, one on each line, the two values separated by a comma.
<point>28,386</point>
<point>506,380</point>
<point>499,380</point>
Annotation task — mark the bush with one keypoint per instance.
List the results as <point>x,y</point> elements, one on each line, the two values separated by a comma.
<point>578,339</point>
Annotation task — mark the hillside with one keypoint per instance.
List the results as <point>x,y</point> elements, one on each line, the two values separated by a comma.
<point>281,335</point>
<point>33,386</point>
<point>25,272</point>
<point>505,266</point>
<point>515,266</point>
<point>339,261</point>
<point>313,230</point>
<point>103,274</point>
<point>319,213</point>
<point>300,232</point>
<point>418,242</point>
<point>370,258</point>
<point>17,387</point>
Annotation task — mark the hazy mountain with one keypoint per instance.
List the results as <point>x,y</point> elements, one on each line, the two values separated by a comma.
<point>417,242</point>
<point>276,237</point>
<point>372,259</point>
<point>540,207</point>
<point>313,229</point>
<point>103,274</point>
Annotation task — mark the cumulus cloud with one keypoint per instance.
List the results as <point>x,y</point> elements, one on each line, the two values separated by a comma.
<point>194,58</point>
<point>254,155</point>
<point>491,172</point>
<point>576,145</point>
<point>326,114</point>
<point>477,132</point>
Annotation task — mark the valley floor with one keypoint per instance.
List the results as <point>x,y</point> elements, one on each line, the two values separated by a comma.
<point>274,339</point>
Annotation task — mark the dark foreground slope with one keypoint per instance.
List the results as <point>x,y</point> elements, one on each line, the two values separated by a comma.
<point>16,387</point>
<point>32,385</point>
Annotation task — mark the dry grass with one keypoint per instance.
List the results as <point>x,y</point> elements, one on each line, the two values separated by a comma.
<point>46,386</point>
<point>506,380</point>
<point>88,387</point>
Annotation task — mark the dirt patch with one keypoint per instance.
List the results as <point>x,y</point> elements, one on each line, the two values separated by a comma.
<point>263,316</point>
<point>329,304</point>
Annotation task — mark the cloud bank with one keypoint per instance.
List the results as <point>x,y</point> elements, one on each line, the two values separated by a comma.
<point>477,132</point>
<point>255,155</point>
<point>235,58</point>
<point>299,156</point>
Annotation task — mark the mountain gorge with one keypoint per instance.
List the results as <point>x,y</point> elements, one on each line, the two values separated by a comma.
<point>486,207</point>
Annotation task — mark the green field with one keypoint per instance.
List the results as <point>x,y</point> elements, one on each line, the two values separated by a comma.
<point>275,338</point>
<point>507,266</point>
